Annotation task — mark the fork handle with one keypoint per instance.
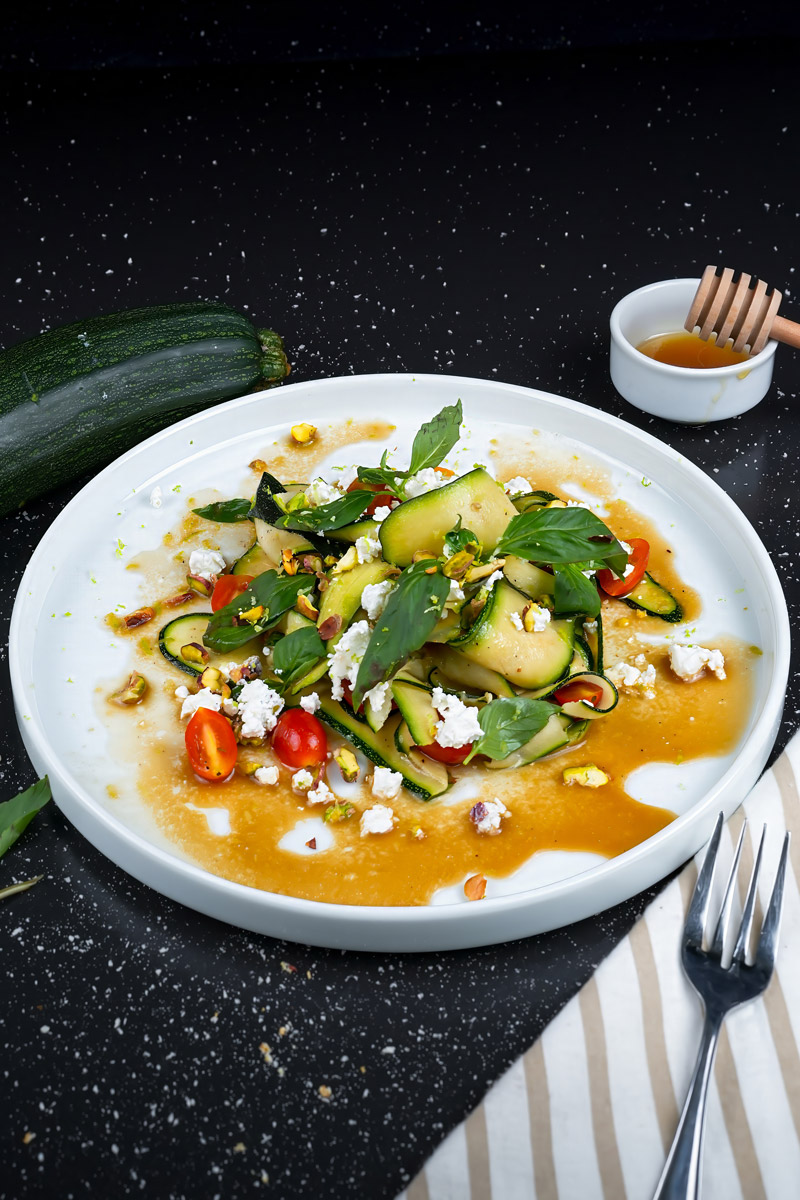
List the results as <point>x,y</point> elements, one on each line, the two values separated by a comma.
<point>680,1179</point>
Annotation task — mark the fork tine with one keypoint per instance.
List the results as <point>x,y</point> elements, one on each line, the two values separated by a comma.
<point>767,944</point>
<point>698,908</point>
<point>743,940</point>
<point>725,911</point>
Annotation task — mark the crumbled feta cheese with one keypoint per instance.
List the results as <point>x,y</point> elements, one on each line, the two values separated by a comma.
<point>205,698</point>
<point>206,563</point>
<point>368,548</point>
<point>576,504</point>
<point>381,512</point>
<point>492,580</point>
<point>378,819</point>
<point>426,480</point>
<point>628,549</point>
<point>690,662</point>
<point>268,776</point>
<point>259,706</point>
<point>181,692</point>
<point>346,476</point>
<point>456,592</point>
<point>230,707</point>
<point>156,497</point>
<point>632,679</point>
<point>487,815</point>
<point>319,492</point>
<point>537,618</point>
<point>311,703</point>
<point>518,486</point>
<point>302,780</point>
<point>458,724</point>
<point>590,626</point>
<point>347,656</point>
<point>375,596</point>
<point>386,783</point>
<point>516,621</point>
<point>321,794</point>
<point>379,699</point>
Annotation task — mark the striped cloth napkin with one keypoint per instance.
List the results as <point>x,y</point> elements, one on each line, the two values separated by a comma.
<point>589,1112</point>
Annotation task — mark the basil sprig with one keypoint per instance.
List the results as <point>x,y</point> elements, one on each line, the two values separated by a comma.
<point>333,515</point>
<point>574,593</point>
<point>276,593</point>
<point>17,813</point>
<point>461,539</point>
<point>413,609</point>
<point>297,652</point>
<point>436,438</point>
<point>563,535</point>
<point>225,511</point>
<point>509,723</point>
<point>390,479</point>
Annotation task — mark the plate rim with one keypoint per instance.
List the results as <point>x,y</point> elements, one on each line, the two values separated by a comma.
<point>701,814</point>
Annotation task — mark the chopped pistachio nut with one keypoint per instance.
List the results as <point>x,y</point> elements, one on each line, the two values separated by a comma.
<point>303,433</point>
<point>347,764</point>
<point>194,652</point>
<point>288,561</point>
<point>258,464</point>
<point>213,679</point>
<point>133,692</point>
<point>252,615</point>
<point>203,587</point>
<point>346,562</point>
<point>305,605</point>
<point>341,811</point>
<point>589,776</point>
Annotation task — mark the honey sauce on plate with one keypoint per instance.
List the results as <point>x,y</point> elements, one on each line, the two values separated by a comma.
<point>684,349</point>
<point>268,837</point>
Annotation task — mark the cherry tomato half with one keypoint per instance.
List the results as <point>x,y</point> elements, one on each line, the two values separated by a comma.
<point>381,498</point>
<point>211,745</point>
<point>299,739</point>
<point>579,691</point>
<point>227,588</point>
<point>446,754</point>
<point>638,557</point>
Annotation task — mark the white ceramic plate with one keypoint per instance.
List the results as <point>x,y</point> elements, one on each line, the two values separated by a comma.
<point>57,660</point>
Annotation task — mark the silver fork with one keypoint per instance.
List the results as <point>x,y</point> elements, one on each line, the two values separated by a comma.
<point>721,989</point>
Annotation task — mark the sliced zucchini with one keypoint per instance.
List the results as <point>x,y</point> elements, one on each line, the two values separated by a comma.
<point>422,523</point>
<point>533,500</point>
<point>579,709</point>
<point>527,578</point>
<point>274,541</point>
<point>343,596</point>
<point>415,704</point>
<point>582,659</point>
<point>421,776</point>
<point>554,736</point>
<point>292,620</point>
<point>448,628</point>
<point>654,599</point>
<point>253,562</point>
<point>351,533</point>
<point>529,660</point>
<point>314,674</point>
<point>461,672</point>
<point>180,632</point>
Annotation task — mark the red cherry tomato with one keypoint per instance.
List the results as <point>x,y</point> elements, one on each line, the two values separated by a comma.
<point>211,745</point>
<point>638,557</point>
<point>227,588</point>
<point>446,754</point>
<point>299,739</point>
<point>582,690</point>
<point>381,499</point>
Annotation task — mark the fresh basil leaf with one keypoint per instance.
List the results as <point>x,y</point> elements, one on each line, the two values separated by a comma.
<point>562,535</point>
<point>413,609</point>
<point>574,593</point>
<point>297,652</point>
<point>436,438</point>
<point>275,593</point>
<point>264,505</point>
<point>333,515</point>
<point>461,539</point>
<point>508,724</point>
<point>225,511</point>
<point>384,475</point>
<point>16,814</point>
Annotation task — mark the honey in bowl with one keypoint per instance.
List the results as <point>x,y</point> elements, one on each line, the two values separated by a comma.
<point>684,349</point>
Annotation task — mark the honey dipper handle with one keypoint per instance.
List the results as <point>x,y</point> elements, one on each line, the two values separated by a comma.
<point>786,331</point>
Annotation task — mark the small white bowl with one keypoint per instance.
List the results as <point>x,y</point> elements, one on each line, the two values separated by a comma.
<point>690,395</point>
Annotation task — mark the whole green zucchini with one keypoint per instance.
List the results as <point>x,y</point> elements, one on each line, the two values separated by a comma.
<point>75,397</point>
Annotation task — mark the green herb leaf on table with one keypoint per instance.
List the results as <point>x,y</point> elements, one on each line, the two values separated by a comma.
<point>297,652</point>
<point>508,724</point>
<point>333,515</point>
<point>276,593</point>
<point>16,814</point>
<point>574,593</point>
<point>225,511</point>
<point>563,535</point>
<point>413,609</point>
<point>436,438</point>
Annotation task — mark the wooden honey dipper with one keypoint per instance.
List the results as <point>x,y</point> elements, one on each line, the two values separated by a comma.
<point>744,309</point>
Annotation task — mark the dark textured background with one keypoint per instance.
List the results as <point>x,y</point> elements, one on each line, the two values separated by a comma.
<point>416,192</point>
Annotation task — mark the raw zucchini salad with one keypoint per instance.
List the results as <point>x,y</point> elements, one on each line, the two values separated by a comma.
<point>415,675</point>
